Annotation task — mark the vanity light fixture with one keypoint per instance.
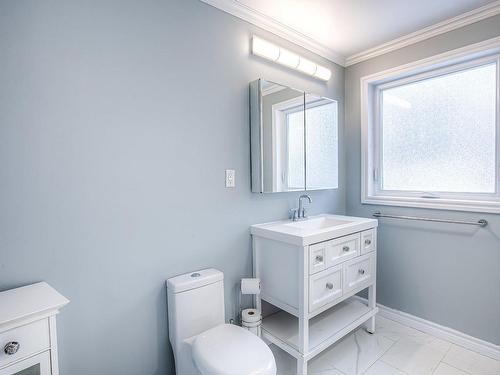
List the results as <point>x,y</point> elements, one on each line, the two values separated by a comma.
<point>270,51</point>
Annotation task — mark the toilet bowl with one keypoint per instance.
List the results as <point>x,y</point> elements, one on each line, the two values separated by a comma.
<point>201,341</point>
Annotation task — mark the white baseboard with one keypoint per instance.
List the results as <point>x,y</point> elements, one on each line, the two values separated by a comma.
<point>456,337</point>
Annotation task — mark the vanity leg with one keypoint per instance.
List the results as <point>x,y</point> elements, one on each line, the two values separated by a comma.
<point>303,312</point>
<point>301,367</point>
<point>370,325</point>
<point>372,303</point>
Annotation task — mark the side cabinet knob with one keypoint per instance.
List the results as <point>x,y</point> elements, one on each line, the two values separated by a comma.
<point>11,348</point>
<point>329,286</point>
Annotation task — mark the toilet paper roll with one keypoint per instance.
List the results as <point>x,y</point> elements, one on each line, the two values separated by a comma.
<point>250,286</point>
<point>251,316</point>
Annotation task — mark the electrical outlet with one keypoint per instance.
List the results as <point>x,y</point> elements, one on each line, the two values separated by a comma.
<point>230,178</point>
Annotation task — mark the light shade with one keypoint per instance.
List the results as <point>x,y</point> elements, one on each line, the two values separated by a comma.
<point>288,58</point>
<point>307,66</point>
<point>282,56</point>
<point>263,48</point>
<point>323,73</point>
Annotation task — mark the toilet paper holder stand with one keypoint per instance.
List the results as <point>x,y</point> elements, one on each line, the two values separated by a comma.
<point>248,286</point>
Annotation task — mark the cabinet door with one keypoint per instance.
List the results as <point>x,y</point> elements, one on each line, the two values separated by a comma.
<point>277,138</point>
<point>368,241</point>
<point>325,287</point>
<point>342,249</point>
<point>36,365</point>
<point>322,144</point>
<point>359,272</point>
<point>317,256</point>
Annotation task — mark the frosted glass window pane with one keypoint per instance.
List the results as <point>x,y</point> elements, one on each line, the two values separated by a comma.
<point>439,134</point>
<point>322,145</point>
<point>295,151</point>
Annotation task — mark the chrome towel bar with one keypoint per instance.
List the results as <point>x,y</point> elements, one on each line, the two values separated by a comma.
<point>481,223</point>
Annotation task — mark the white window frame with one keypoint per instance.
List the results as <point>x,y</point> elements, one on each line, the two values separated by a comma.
<point>371,86</point>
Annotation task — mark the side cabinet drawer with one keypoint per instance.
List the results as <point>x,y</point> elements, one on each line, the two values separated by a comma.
<point>342,249</point>
<point>32,338</point>
<point>359,272</point>
<point>317,257</point>
<point>325,287</point>
<point>368,241</point>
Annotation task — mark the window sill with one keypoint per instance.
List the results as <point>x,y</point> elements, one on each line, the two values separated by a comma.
<point>435,203</point>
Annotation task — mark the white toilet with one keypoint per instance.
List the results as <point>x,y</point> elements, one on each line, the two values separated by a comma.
<point>201,341</point>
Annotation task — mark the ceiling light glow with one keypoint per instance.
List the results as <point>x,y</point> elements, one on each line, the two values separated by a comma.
<point>282,56</point>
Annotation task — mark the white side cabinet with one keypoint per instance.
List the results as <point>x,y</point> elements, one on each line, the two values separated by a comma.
<point>28,336</point>
<point>313,283</point>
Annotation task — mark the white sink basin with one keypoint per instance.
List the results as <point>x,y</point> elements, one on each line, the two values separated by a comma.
<point>322,222</point>
<point>312,230</point>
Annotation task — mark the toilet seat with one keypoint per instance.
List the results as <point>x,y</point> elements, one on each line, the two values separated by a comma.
<point>231,350</point>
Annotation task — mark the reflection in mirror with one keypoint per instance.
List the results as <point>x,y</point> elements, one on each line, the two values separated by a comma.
<point>282,138</point>
<point>321,143</point>
<point>294,139</point>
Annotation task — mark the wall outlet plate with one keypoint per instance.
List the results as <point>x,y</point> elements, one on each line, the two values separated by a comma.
<point>230,178</point>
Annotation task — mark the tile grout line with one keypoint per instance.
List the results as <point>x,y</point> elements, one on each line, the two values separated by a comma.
<point>397,368</point>
<point>455,367</point>
<point>379,358</point>
<point>444,356</point>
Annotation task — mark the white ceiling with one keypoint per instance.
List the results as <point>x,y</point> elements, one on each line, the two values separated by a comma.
<point>349,27</point>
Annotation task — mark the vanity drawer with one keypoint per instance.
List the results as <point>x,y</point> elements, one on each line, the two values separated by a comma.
<point>342,249</point>
<point>325,287</point>
<point>317,257</point>
<point>32,338</point>
<point>359,272</point>
<point>368,241</point>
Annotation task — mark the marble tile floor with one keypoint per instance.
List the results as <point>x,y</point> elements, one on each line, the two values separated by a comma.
<point>394,349</point>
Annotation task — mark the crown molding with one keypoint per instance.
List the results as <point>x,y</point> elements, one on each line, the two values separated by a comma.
<point>267,23</point>
<point>450,24</point>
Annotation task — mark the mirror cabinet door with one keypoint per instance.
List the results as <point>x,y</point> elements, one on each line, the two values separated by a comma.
<point>294,139</point>
<point>280,125</point>
<point>322,143</point>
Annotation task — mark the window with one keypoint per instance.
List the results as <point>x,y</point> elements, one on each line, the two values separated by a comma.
<point>431,136</point>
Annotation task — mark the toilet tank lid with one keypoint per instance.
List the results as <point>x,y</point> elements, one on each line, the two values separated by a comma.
<point>192,280</point>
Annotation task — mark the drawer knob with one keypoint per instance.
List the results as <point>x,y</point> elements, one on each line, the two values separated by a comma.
<point>11,348</point>
<point>361,271</point>
<point>345,248</point>
<point>368,241</point>
<point>319,258</point>
<point>329,286</point>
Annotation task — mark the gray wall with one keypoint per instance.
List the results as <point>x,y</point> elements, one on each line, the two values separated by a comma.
<point>117,120</point>
<point>445,273</point>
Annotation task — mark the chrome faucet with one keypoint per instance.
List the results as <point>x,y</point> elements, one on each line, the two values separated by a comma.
<point>300,213</point>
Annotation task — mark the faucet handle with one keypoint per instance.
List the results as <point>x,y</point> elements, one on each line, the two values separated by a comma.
<point>294,214</point>
<point>303,214</point>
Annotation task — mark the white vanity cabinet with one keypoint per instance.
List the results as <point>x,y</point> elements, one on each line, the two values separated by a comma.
<point>28,335</point>
<point>311,271</point>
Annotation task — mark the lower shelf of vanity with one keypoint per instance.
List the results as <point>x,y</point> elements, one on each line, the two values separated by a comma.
<point>282,328</point>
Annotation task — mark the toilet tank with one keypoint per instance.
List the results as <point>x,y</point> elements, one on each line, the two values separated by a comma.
<point>195,303</point>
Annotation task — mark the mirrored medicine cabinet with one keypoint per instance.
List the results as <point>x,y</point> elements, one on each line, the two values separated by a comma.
<point>294,139</point>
